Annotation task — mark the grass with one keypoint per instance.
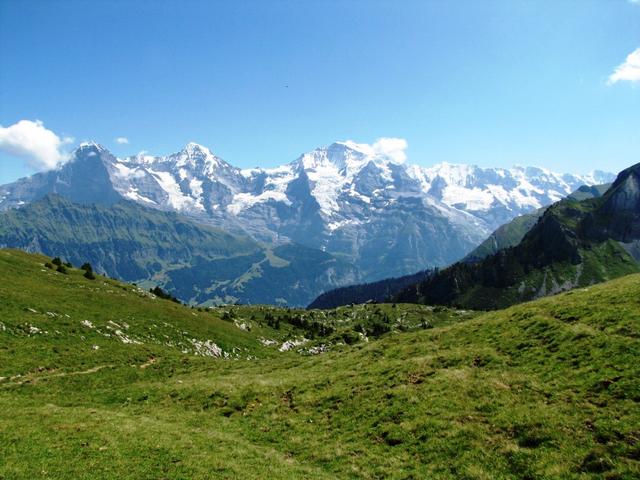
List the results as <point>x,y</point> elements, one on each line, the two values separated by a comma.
<point>546,389</point>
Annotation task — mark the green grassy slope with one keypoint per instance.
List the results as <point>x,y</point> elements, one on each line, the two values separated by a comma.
<point>512,233</point>
<point>286,274</point>
<point>507,235</point>
<point>124,240</point>
<point>54,321</point>
<point>548,389</point>
<point>197,263</point>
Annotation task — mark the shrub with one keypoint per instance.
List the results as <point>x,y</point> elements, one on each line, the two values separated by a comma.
<point>158,292</point>
<point>61,269</point>
<point>350,337</point>
<point>88,271</point>
<point>57,261</point>
<point>378,328</point>
<point>48,265</point>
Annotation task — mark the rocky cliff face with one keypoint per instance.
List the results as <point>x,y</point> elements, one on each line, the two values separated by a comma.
<point>619,215</point>
<point>88,178</point>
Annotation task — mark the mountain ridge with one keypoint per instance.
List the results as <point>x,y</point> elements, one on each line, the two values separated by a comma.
<point>370,207</point>
<point>507,235</point>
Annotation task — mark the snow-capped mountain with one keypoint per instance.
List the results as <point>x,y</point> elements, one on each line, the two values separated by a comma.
<point>497,195</point>
<point>388,217</point>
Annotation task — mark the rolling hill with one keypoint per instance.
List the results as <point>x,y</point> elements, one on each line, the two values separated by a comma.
<point>99,379</point>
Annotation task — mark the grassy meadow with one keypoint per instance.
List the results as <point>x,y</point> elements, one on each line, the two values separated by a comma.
<point>100,379</point>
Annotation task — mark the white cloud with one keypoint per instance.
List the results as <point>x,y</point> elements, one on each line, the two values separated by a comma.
<point>389,148</point>
<point>392,148</point>
<point>122,140</point>
<point>39,147</point>
<point>629,71</point>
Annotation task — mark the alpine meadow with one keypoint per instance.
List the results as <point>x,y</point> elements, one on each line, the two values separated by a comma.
<point>319,240</point>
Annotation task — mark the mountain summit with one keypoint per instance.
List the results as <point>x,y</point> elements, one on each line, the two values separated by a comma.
<point>86,178</point>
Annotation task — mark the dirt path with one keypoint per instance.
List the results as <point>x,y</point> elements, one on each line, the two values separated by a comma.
<point>149,362</point>
<point>30,377</point>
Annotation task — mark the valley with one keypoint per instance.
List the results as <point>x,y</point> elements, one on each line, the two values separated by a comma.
<point>131,384</point>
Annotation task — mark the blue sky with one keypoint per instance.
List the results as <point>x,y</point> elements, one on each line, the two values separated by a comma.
<point>493,83</point>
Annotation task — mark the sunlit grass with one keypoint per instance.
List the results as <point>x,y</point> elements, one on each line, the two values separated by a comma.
<point>547,389</point>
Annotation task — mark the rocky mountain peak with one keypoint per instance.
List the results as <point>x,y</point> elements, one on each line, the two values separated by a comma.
<point>624,194</point>
<point>198,157</point>
<point>90,146</point>
<point>89,153</point>
<point>335,156</point>
<point>90,150</point>
<point>195,149</point>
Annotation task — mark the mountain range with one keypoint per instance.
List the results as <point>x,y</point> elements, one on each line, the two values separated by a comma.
<point>385,217</point>
<point>574,243</point>
<point>110,371</point>
<point>508,235</point>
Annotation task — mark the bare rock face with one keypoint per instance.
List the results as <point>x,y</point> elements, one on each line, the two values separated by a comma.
<point>87,178</point>
<point>618,217</point>
<point>625,195</point>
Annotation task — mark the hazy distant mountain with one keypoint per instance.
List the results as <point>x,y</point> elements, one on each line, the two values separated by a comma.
<point>386,217</point>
